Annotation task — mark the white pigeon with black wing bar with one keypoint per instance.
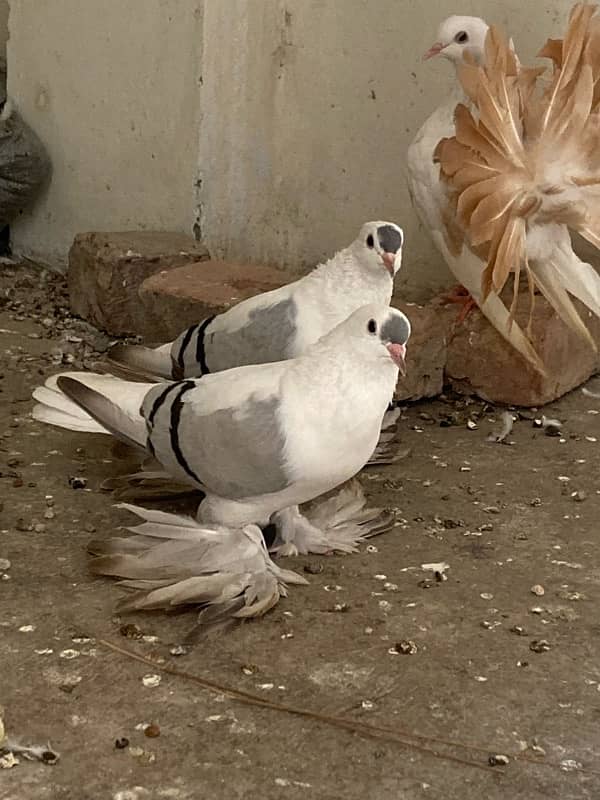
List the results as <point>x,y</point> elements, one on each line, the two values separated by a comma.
<point>282,323</point>
<point>256,439</point>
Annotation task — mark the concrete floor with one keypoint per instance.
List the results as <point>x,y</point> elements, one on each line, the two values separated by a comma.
<point>504,518</point>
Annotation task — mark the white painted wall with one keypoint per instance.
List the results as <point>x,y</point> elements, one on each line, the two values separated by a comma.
<point>111,88</point>
<point>299,130</point>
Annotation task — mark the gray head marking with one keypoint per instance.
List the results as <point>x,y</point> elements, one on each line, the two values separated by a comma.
<point>390,238</point>
<point>395,329</point>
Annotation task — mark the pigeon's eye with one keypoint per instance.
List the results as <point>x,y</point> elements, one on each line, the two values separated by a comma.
<point>372,326</point>
<point>461,37</point>
<point>370,242</point>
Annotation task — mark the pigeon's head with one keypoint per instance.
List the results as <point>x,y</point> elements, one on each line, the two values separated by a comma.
<point>379,245</point>
<point>456,35</point>
<point>381,330</point>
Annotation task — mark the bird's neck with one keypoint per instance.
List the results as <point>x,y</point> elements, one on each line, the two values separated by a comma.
<point>343,279</point>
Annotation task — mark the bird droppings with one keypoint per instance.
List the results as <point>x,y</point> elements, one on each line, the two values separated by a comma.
<point>179,650</point>
<point>538,590</point>
<point>539,646</point>
<point>131,631</point>
<point>151,680</point>
<point>498,760</point>
<point>121,743</point>
<point>406,647</point>
<point>26,628</point>
<point>69,654</point>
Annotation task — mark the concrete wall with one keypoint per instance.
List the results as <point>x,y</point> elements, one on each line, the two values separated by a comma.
<point>304,116</point>
<point>309,112</point>
<point>111,88</point>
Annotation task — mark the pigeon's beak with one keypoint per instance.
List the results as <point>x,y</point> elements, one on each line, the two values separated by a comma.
<point>389,261</point>
<point>398,353</point>
<point>434,50</point>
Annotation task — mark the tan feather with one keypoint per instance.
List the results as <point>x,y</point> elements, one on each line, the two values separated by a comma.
<point>527,159</point>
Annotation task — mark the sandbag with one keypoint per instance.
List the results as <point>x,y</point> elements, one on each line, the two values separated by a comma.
<point>24,164</point>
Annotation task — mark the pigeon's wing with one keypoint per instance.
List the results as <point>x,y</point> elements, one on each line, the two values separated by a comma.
<point>223,432</point>
<point>259,330</point>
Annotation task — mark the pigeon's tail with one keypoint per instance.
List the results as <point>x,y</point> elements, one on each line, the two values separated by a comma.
<point>82,401</point>
<point>142,363</point>
<point>524,167</point>
<point>175,561</point>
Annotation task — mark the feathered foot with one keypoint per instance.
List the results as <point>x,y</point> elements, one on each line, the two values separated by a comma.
<point>458,294</point>
<point>175,561</point>
<point>336,523</point>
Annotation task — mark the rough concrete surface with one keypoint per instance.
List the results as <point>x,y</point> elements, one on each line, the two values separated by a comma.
<point>505,518</point>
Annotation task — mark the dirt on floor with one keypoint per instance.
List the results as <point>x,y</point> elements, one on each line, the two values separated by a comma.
<point>498,654</point>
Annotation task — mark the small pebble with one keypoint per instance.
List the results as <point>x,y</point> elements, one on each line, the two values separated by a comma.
<point>179,650</point>
<point>498,760</point>
<point>151,681</point>
<point>77,482</point>
<point>152,730</point>
<point>313,569</point>
<point>486,596</point>
<point>538,590</point>
<point>4,564</point>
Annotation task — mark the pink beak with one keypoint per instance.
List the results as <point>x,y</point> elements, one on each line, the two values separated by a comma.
<point>398,353</point>
<point>434,50</point>
<point>389,260</point>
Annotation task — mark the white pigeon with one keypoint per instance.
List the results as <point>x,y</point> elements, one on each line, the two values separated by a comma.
<point>458,37</point>
<point>259,439</point>
<point>282,323</point>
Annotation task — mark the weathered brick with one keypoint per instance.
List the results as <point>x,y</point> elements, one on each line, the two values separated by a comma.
<point>426,352</point>
<point>107,269</point>
<point>172,300</point>
<point>481,362</point>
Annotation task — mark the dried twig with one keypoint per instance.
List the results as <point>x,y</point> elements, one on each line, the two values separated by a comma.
<point>374,731</point>
<point>352,726</point>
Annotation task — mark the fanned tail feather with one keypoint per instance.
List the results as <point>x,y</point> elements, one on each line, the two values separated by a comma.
<point>526,164</point>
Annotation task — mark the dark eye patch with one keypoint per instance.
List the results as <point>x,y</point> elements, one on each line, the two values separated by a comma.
<point>390,238</point>
<point>370,241</point>
<point>461,37</point>
<point>372,326</point>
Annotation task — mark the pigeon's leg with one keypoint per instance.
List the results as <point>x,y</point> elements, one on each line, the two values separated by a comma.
<point>296,535</point>
<point>458,294</point>
<point>231,513</point>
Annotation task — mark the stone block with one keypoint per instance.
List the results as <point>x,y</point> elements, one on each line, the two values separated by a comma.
<point>174,299</point>
<point>481,362</point>
<point>427,349</point>
<point>106,270</point>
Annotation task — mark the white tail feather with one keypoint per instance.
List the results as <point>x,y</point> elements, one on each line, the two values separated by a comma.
<point>120,406</point>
